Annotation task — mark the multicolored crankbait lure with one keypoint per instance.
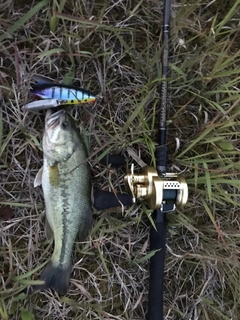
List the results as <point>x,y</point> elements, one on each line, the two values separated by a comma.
<point>70,94</point>
<point>55,94</point>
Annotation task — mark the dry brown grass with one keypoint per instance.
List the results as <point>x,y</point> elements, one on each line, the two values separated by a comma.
<point>113,48</point>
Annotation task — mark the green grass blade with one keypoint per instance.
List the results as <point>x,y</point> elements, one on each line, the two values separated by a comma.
<point>50,52</point>
<point>20,23</point>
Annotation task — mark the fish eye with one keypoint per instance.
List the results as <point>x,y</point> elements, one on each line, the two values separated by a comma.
<point>64,125</point>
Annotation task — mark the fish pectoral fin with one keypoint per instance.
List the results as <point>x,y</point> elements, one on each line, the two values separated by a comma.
<point>38,178</point>
<point>86,226</point>
<point>48,230</point>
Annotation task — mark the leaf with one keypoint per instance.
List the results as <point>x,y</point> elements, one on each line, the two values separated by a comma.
<point>23,19</point>
<point>227,17</point>
<point>20,297</point>
<point>23,277</point>
<point>3,311</point>
<point>208,181</point>
<point>5,142</point>
<point>68,78</point>
<point>146,257</point>
<point>50,52</point>
<point>211,216</point>
<point>226,145</point>
<point>91,23</point>
<point>54,20</point>
<point>26,315</point>
<point>177,70</point>
<point>53,23</point>
<point>22,205</point>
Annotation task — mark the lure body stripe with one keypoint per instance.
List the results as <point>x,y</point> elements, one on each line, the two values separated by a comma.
<point>71,94</point>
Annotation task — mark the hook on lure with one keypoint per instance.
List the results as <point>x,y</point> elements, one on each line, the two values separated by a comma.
<point>57,94</point>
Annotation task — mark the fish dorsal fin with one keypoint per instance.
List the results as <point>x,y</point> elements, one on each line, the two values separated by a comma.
<point>54,177</point>
<point>38,178</point>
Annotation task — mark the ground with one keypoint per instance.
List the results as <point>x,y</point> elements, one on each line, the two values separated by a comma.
<point>113,48</point>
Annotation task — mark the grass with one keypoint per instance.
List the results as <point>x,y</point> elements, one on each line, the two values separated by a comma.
<point>114,49</point>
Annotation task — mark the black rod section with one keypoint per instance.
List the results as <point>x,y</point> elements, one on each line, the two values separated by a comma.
<point>157,242</point>
<point>161,150</point>
<point>158,234</point>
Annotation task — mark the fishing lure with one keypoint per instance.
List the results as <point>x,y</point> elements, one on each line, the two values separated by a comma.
<point>56,94</point>
<point>68,94</point>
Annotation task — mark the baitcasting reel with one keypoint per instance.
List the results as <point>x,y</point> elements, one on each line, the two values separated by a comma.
<point>165,192</point>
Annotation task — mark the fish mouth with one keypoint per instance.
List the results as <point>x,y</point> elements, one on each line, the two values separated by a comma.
<point>53,119</point>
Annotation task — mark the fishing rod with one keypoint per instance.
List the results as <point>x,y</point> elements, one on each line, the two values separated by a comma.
<point>165,190</point>
<point>158,233</point>
<point>162,191</point>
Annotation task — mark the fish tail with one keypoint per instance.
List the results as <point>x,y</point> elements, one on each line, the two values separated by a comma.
<point>57,277</point>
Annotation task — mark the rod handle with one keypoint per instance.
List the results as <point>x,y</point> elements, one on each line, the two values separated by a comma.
<point>157,242</point>
<point>161,158</point>
<point>115,160</point>
<point>105,199</point>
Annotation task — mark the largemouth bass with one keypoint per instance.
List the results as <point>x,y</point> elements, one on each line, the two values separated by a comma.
<point>66,182</point>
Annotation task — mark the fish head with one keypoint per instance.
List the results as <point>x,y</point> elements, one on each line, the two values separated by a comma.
<point>60,136</point>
